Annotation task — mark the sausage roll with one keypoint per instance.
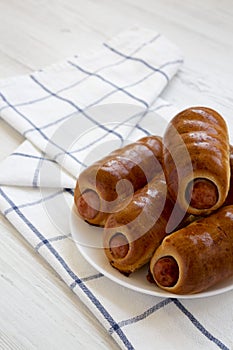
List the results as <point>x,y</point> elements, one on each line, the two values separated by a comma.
<point>196,257</point>
<point>196,160</point>
<point>132,234</point>
<point>108,182</point>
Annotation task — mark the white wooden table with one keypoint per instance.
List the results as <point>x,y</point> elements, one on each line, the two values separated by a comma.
<point>37,310</point>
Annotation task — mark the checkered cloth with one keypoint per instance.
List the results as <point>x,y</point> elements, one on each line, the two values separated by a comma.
<point>61,112</point>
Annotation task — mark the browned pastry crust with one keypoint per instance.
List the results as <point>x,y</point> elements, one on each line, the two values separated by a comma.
<point>196,148</point>
<point>229,199</point>
<point>138,163</point>
<point>143,224</point>
<point>203,251</point>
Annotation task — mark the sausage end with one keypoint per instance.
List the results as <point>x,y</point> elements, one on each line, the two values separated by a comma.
<point>119,246</point>
<point>88,204</point>
<point>201,194</point>
<point>166,271</point>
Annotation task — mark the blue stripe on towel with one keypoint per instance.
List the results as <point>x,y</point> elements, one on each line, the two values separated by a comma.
<point>181,307</point>
<point>87,279</point>
<point>53,239</point>
<point>199,326</point>
<point>98,101</point>
<point>29,204</point>
<point>39,130</point>
<point>129,57</point>
<point>83,79</point>
<point>37,173</point>
<point>124,122</point>
<point>20,154</point>
<point>62,262</point>
<point>128,120</point>
<point>118,88</point>
<point>60,120</point>
<point>75,106</point>
<point>171,63</point>
<point>142,316</point>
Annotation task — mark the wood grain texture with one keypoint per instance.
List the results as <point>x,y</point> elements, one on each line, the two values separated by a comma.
<point>38,311</point>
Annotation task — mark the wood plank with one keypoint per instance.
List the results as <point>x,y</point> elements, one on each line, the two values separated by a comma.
<point>36,306</point>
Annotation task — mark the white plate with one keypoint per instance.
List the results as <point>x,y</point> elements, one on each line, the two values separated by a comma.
<point>89,242</point>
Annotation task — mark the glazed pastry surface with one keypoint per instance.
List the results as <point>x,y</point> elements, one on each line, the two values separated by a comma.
<point>100,189</point>
<point>196,160</point>
<point>132,234</point>
<point>203,252</point>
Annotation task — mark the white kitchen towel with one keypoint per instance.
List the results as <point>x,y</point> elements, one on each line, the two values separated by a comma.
<point>132,68</point>
<point>125,76</point>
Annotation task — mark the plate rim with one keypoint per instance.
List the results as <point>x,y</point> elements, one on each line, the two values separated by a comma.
<point>120,281</point>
